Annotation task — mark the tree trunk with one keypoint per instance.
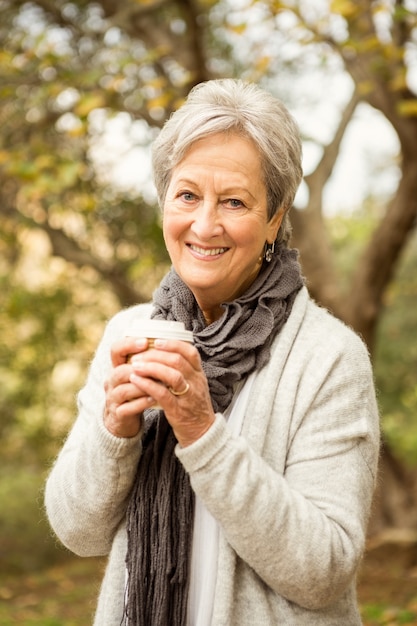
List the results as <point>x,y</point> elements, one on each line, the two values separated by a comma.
<point>377,266</point>
<point>395,502</point>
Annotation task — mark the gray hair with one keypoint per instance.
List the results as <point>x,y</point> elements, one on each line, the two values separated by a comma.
<point>225,105</point>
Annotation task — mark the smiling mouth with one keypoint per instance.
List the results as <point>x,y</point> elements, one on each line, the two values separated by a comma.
<point>207,251</point>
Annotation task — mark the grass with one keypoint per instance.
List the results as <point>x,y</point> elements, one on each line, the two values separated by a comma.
<point>62,595</point>
<point>65,595</point>
<point>41,584</point>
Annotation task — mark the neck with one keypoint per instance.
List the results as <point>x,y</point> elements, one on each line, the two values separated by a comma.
<point>212,314</point>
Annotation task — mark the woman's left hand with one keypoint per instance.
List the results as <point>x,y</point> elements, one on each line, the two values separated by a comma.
<point>171,373</point>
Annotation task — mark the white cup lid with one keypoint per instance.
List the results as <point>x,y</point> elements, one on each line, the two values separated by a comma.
<point>160,329</point>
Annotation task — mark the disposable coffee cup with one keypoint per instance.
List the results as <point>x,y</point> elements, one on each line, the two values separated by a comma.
<point>158,329</point>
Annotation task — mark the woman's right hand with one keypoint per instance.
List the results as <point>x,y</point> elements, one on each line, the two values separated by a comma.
<point>125,402</point>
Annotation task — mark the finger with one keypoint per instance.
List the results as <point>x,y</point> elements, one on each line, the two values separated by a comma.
<point>171,375</point>
<point>122,349</point>
<point>190,413</point>
<point>125,392</point>
<point>154,363</point>
<point>187,350</point>
<point>125,405</point>
<point>152,388</point>
<point>119,389</point>
<point>134,407</point>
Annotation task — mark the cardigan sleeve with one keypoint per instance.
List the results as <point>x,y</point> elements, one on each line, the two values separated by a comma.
<point>300,521</point>
<point>87,490</point>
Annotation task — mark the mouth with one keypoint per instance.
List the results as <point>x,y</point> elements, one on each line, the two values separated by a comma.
<point>206,252</point>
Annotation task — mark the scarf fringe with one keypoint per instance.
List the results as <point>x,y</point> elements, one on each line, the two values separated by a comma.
<point>160,513</point>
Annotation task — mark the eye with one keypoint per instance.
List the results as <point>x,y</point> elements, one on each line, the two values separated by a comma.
<point>234,203</point>
<point>187,196</point>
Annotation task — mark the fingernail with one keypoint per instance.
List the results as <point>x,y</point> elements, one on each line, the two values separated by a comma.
<point>140,342</point>
<point>160,343</point>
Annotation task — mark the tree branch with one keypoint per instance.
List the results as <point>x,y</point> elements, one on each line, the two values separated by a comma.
<point>401,29</point>
<point>150,26</point>
<point>378,263</point>
<point>317,180</point>
<point>68,249</point>
<point>310,233</point>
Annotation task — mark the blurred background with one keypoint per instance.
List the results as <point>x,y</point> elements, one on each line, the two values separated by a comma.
<point>84,88</point>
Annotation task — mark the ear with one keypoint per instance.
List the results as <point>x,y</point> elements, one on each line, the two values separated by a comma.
<point>274,224</point>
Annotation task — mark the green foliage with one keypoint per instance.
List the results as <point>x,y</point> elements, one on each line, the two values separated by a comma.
<point>349,235</point>
<point>396,358</point>
<point>48,332</point>
<point>375,614</point>
<point>56,71</point>
<point>30,359</point>
<point>75,245</point>
<point>61,595</point>
<point>26,541</point>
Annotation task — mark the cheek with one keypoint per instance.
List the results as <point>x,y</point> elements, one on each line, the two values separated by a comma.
<point>172,228</point>
<point>168,224</point>
<point>250,240</point>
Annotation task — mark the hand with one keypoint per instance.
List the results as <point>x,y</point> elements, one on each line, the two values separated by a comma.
<point>125,402</point>
<point>176,365</point>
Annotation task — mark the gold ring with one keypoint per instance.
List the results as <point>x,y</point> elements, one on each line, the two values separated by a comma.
<point>180,393</point>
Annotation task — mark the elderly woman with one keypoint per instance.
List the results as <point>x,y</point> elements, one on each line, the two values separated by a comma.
<point>244,498</point>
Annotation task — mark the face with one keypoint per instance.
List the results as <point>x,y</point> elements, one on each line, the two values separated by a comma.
<point>215,219</point>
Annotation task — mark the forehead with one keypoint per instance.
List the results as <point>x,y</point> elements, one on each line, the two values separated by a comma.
<point>221,152</point>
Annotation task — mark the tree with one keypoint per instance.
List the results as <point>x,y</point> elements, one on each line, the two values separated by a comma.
<point>375,56</point>
<point>68,68</point>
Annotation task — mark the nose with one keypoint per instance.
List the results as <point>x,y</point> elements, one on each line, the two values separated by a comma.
<point>207,220</point>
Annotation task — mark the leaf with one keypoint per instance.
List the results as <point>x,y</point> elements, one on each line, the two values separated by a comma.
<point>345,8</point>
<point>161,101</point>
<point>399,81</point>
<point>263,63</point>
<point>407,108</point>
<point>365,87</point>
<point>68,173</point>
<point>88,103</point>
<point>238,29</point>
<point>4,156</point>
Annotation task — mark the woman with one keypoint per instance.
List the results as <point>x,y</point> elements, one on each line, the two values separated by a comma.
<point>245,499</point>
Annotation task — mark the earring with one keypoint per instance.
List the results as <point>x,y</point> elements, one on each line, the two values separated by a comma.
<point>269,251</point>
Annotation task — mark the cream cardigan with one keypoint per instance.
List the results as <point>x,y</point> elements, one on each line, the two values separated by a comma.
<point>292,493</point>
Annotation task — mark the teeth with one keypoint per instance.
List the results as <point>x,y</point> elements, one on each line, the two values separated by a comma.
<point>211,252</point>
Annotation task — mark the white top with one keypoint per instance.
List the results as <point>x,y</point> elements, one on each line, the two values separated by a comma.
<point>206,529</point>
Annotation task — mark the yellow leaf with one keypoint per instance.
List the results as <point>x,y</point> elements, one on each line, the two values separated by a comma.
<point>159,102</point>
<point>399,81</point>
<point>44,161</point>
<point>345,8</point>
<point>239,29</point>
<point>76,131</point>
<point>365,44</point>
<point>88,103</point>
<point>263,63</point>
<point>276,6</point>
<point>408,108</point>
<point>365,87</point>
<point>159,82</point>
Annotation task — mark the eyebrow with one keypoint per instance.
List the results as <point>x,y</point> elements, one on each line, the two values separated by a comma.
<point>228,191</point>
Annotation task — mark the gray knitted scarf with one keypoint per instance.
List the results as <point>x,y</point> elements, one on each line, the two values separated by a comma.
<point>160,511</point>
